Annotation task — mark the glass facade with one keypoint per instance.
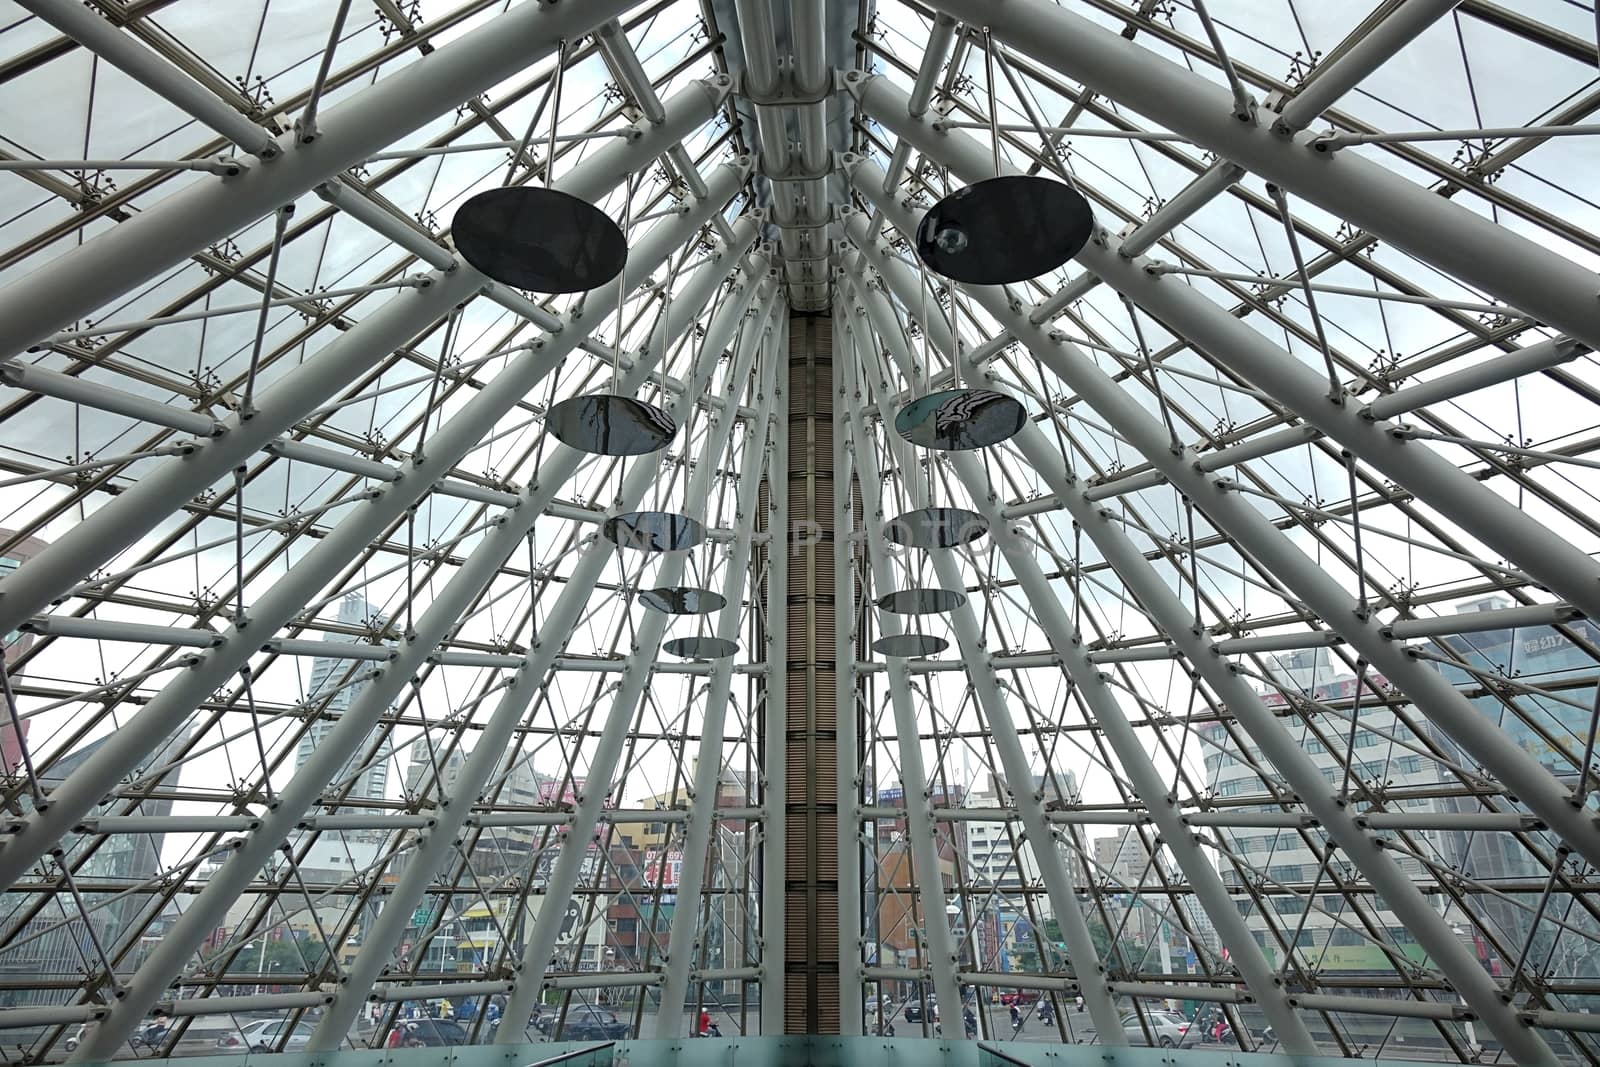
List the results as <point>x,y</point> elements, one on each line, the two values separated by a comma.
<point>1179,633</point>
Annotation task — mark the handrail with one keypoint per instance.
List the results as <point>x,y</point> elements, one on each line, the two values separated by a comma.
<point>1001,1056</point>
<point>569,1057</point>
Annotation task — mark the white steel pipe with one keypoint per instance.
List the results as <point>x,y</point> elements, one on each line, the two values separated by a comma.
<point>1559,565</point>
<point>774,693</point>
<point>76,390</point>
<point>938,948</point>
<point>285,599</point>
<point>1435,481</point>
<point>113,630</point>
<point>1358,55</point>
<point>1437,231</point>
<point>74,285</point>
<point>619,53</point>
<point>874,320</point>
<point>847,704</point>
<point>121,521</point>
<point>686,932</point>
<point>439,845</point>
<point>1434,696</point>
<point>568,868</point>
<point>336,747</point>
<point>329,459</point>
<point>145,66</point>
<point>352,650</point>
<point>1333,78</point>
<point>386,223</point>
<point>1498,367</point>
<point>1119,734</point>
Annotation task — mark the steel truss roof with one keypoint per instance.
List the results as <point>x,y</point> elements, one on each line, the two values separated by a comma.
<point>325,697</point>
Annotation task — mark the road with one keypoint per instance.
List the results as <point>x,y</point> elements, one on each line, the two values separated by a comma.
<point>1367,1036</point>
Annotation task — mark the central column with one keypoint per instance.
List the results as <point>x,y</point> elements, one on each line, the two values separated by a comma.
<point>811,887</point>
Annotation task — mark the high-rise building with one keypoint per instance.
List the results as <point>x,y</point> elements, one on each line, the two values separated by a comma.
<point>331,680</point>
<point>1555,727</point>
<point>55,938</point>
<point>988,853</point>
<point>15,644</point>
<point>1377,751</point>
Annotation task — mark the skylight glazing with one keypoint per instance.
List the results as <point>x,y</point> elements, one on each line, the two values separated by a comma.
<point>1273,697</point>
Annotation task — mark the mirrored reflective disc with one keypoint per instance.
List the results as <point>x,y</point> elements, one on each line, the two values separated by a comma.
<point>936,528</point>
<point>605,424</point>
<point>921,601</point>
<point>958,420</point>
<point>653,531</point>
<point>683,600</point>
<point>1004,230</point>
<point>909,645</point>
<point>702,647</point>
<point>542,240</point>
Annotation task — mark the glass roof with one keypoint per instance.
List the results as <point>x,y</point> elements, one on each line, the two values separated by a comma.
<point>332,683</point>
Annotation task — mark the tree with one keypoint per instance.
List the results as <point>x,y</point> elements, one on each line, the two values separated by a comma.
<point>286,956</point>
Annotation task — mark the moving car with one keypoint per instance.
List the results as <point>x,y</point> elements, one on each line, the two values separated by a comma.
<point>264,1035</point>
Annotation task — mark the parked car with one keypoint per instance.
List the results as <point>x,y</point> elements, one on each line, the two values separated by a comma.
<point>1168,1028</point>
<point>585,1023</point>
<point>426,1033</point>
<point>1018,997</point>
<point>914,1008</point>
<point>265,1035</point>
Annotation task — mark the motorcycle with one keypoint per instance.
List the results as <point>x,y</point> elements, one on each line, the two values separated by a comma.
<point>712,1030</point>
<point>150,1036</point>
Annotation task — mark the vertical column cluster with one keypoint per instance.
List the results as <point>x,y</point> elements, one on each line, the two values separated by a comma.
<point>811,891</point>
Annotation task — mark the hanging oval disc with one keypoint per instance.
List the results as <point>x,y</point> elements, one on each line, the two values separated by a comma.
<point>909,645</point>
<point>541,240</point>
<point>605,424</point>
<point>921,601</point>
<point>702,647</point>
<point>653,531</point>
<point>959,420</point>
<point>1004,230</point>
<point>936,528</point>
<point>683,600</point>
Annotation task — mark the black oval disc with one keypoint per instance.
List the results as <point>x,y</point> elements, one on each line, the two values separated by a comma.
<point>921,601</point>
<point>909,645</point>
<point>702,647</point>
<point>1004,230</point>
<point>653,531</point>
<point>936,528</point>
<point>959,420</point>
<point>683,600</point>
<point>538,239</point>
<point>605,424</point>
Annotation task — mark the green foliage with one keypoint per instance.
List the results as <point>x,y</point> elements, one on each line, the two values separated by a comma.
<point>287,957</point>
